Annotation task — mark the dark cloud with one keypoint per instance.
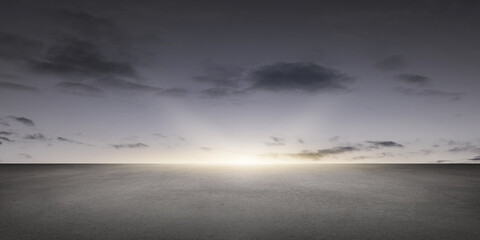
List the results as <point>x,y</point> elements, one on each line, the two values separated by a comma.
<point>132,145</point>
<point>79,89</point>
<point>298,76</point>
<point>392,63</point>
<point>381,144</point>
<point>115,83</point>
<point>159,135</point>
<point>87,24</point>
<point>276,141</point>
<point>6,139</point>
<point>463,147</point>
<point>16,87</point>
<point>334,139</point>
<point>222,76</point>
<point>9,76</point>
<point>453,96</point>
<point>6,133</point>
<point>368,146</point>
<point>36,136</point>
<point>174,92</point>
<point>337,150</point>
<point>477,158</point>
<point>71,56</point>
<point>219,92</point>
<point>415,79</point>
<point>62,139</point>
<point>23,120</point>
<point>299,140</point>
<point>15,47</point>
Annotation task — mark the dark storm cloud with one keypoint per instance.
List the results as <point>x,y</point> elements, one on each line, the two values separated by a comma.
<point>35,136</point>
<point>79,89</point>
<point>17,87</point>
<point>222,76</point>
<point>23,120</point>
<point>132,145</point>
<point>477,158</point>
<point>415,79</point>
<point>71,56</point>
<point>15,47</point>
<point>452,96</point>
<point>392,63</point>
<point>115,83</point>
<point>380,144</point>
<point>174,92</point>
<point>298,76</point>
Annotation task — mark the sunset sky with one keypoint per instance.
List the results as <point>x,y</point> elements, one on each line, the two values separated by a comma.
<point>239,81</point>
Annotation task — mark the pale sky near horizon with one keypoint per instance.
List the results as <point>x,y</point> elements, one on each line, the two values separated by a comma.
<point>189,81</point>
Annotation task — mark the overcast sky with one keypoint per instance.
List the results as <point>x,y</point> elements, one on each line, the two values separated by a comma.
<point>169,81</point>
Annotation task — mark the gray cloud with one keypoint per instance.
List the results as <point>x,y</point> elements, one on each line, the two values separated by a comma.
<point>132,145</point>
<point>392,63</point>
<point>477,158</point>
<point>415,79</point>
<point>5,133</point>
<point>23,120</point>
<point>337,150</point>
<point>174,92</point>
<point>463,147</point>
<point>115,83</point>
<point>6,139</point>
<point>79,89</point>
<point>62,139</point>
<point>298,76</point>
<point>16,87</point>
<point>276,141</point>
<point>87,24</point>
<point>453,96</point>
<point>380,144</point>
<point>222,76</point>
<point>15,47</point>
<point>71,56</point>
<point>370,145</point>
<point>219,92</point>
<point>36,136</point>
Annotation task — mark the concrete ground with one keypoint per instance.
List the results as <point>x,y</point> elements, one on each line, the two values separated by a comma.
<point>239,202</point>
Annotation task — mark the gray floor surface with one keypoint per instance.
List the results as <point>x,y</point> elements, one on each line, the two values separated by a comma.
<point>239,202</point>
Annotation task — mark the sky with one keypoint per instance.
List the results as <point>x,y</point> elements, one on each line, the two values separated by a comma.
<point>239,81</point>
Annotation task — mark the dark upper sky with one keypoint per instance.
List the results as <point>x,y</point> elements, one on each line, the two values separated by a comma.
<point>142,81</point>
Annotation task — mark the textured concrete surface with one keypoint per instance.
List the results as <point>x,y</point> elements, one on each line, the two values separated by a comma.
<point>239,202</point>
